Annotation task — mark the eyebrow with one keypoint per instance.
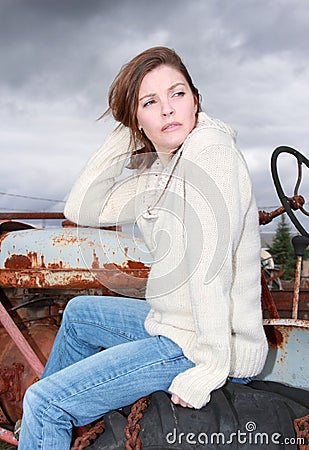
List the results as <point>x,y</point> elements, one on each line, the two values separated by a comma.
<point>169,89</point>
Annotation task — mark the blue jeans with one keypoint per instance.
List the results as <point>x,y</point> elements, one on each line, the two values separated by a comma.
<point>81,383</point>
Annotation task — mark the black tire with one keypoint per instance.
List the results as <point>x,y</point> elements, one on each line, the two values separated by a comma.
<point>269,408</point>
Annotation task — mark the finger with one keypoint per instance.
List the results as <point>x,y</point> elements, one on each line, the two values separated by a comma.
<point>185,404</point>
<point>175,399</point>
<point>178,401</point>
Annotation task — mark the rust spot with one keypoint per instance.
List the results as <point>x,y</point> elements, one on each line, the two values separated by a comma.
<point>128,279</point>
<point>33,256</point>
<point>3,235</point>
<point>95,263</point>
<point>55,265</point>
<point>136,265</point>
<point>18,262</point>
<point>132,268</point>
<point>274,337</point>
<point>67,239</point>
<point>277,336</point>
<point>129,282</point>
<point>111,266</point>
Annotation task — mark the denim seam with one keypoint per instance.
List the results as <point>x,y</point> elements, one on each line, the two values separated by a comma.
<point>114,331</point>
<point>61,399</point>
<point>67,331</point>
<point>161,361</point>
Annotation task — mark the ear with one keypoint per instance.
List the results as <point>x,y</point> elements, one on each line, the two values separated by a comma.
<point>195,105</point>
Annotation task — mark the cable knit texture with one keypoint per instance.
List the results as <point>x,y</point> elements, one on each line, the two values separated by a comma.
<point>199,220</point>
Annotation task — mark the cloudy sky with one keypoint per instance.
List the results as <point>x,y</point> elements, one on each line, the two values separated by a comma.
<point>249,59</point>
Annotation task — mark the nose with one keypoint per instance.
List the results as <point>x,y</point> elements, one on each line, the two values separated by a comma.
<point>167,109</point>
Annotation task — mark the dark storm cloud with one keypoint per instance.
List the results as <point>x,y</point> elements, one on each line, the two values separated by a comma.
<point>267,26</point>
<point>47,39</point>
<point>249,59</point>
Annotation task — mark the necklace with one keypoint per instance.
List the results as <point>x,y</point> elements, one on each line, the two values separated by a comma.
<point>150,214</point>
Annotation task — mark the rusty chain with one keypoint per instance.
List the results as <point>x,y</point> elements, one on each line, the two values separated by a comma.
<point>132,428</point>
<point>301,427</point>
<point>85,440</point>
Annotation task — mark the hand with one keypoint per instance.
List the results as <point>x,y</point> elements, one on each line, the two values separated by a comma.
<point>175,399</point>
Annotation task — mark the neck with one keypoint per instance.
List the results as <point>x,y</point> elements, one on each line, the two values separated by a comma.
<point>164,158</point>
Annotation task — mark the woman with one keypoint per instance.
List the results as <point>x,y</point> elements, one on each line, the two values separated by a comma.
<point>191,196</point>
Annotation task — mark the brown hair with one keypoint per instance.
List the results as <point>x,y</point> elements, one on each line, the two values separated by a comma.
<point>123,98</point>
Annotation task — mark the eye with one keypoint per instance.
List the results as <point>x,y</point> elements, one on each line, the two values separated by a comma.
<point>148,103</point>
<point>179,94</point>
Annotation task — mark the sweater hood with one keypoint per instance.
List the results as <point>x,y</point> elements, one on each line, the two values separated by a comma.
<point>206,122</point>
<point>121,134</point>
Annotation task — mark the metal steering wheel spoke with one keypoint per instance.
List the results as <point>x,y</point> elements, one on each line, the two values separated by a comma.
<point>297,202</point>
<point>302,209</point>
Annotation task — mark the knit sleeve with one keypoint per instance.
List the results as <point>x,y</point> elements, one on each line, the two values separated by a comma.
<point>217,197</point>
<point>96,199</point>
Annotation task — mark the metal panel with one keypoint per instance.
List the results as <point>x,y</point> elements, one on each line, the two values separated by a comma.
<point>288,356</point>
<point>74,258</point>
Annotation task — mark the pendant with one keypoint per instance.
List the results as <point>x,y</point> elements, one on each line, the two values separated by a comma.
<point>150,215</point>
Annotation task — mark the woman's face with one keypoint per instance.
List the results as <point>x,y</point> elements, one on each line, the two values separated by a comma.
<point>166,109</point>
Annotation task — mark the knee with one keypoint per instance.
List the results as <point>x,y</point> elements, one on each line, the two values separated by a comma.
<point>40,403</point>
<point>74,307</point>
<point>33,399</point>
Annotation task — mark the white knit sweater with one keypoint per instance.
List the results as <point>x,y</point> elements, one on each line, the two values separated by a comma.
<point>199,219</point>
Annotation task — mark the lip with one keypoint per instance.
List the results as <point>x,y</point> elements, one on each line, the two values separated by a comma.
<point>171,126</point>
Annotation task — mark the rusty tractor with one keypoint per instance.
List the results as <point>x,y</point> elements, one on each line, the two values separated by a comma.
<point>42,268</point>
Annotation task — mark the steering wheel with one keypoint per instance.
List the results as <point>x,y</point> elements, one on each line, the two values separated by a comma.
<point>290,203</point>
